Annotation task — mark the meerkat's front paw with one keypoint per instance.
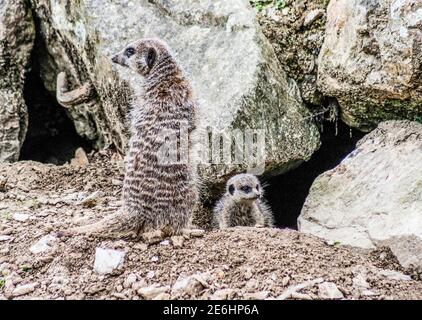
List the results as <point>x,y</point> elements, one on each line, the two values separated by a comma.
<point>258,225</point>
<point>194,233</point>
<point>153,237</point>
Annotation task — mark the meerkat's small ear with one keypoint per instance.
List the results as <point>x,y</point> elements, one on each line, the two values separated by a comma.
<point>231,189</point>
<point>151,57</point>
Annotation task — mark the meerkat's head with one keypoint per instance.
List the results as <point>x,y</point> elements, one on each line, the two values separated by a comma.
<point>142,55</point>
<point>244,188</point>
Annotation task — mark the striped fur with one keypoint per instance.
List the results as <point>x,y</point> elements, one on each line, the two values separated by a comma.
<point>159,196</point>
<point>242,208</point>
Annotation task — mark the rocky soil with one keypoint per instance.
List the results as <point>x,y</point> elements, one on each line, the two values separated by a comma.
<point>36,262</point>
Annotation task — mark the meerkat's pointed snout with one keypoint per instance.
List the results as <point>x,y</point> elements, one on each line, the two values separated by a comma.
<point>115,59</point>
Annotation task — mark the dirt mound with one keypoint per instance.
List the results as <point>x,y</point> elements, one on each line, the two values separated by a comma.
<point>242,263</point>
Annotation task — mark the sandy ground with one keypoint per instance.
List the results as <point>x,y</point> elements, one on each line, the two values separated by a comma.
<point>37,200</point>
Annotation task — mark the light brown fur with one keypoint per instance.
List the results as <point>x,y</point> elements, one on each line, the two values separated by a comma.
<point>157,195</point>
<point>242,204</point>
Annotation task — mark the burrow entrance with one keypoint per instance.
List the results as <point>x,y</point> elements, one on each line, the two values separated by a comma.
<point>51,136</point>
<point>286,193</point>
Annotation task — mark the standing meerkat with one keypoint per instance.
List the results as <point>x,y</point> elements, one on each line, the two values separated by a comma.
<point>242,204</point>
<point>159,194</point>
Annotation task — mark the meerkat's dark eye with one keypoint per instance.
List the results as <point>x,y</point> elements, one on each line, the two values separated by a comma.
<point>246,189</point>
<point>257,187</point>
<point>231,189</point>
<point>129,52</point>
<point>152,55</point>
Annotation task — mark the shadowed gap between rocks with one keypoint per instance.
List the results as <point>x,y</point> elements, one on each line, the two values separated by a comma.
<point>51,136</point>
<point>286,193</point>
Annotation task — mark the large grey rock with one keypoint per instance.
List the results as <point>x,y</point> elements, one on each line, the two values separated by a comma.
<point>371,60</point>
<point>233,69</point>
<point>374,197</point>
<point>296,32</point>
<point>17,35</point>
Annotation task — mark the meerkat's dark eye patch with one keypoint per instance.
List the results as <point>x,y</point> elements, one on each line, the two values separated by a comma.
<point>129,52</point>
<point>257,187</point>
<point>246,189</point>
<point>151,57</point>
<point>231,189</point>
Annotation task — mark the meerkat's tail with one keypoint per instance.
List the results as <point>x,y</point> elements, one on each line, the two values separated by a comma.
<point>117,225</point>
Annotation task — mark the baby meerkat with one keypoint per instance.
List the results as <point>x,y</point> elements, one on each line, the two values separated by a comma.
<point>242,204</point>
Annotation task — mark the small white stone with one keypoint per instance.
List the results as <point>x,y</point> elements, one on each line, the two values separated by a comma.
<point>285,281</point>
<point>162,296</point>
<point>223,294</point>
<point>153,291</point>
<point>312,16</point>
<point>43,245</point>
<point>360,282</point>
<point>261,295</point>
<point>81,159</point>
<point>107,260</point>
<point>192,285</point>
<point>130,280</point>
<point>248,274</point>
<point>92,199</point>
<point>116,182</point>
<point>24,289</point>
<point>21,217</point>
<point>5,238</point>
<point>329,290</point>
<point>394,275</point>
<point>177,241</point>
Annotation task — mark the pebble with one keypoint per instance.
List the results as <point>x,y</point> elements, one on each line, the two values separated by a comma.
<point>116,182</point>
<point>190,286</point>
<point>360,282</point>
<point>248,274</point>
<point>80,159</point>
<point>5,238</point>
<point>43,245</point>
<point>21,217</point>
<point>108,260</point>
<point>223,294</point>
<point>285,282</point>
<point>24,289</point>
<point>177,241</point>
<point>165,243</point>
<point>130,280</point>
<point>301,296</point>
<point>141,246</point>
<point>162,296</point>
<point>261,295</point>
<point>312,16</point>
<point>394,275</point>
<point>329,290</point>
<point>7,232</point>
<point>92,200</point>
<point>151,292</point>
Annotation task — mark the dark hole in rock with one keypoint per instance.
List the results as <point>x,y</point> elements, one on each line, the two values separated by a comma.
<point>51,135</point>
<point>287,193</point>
